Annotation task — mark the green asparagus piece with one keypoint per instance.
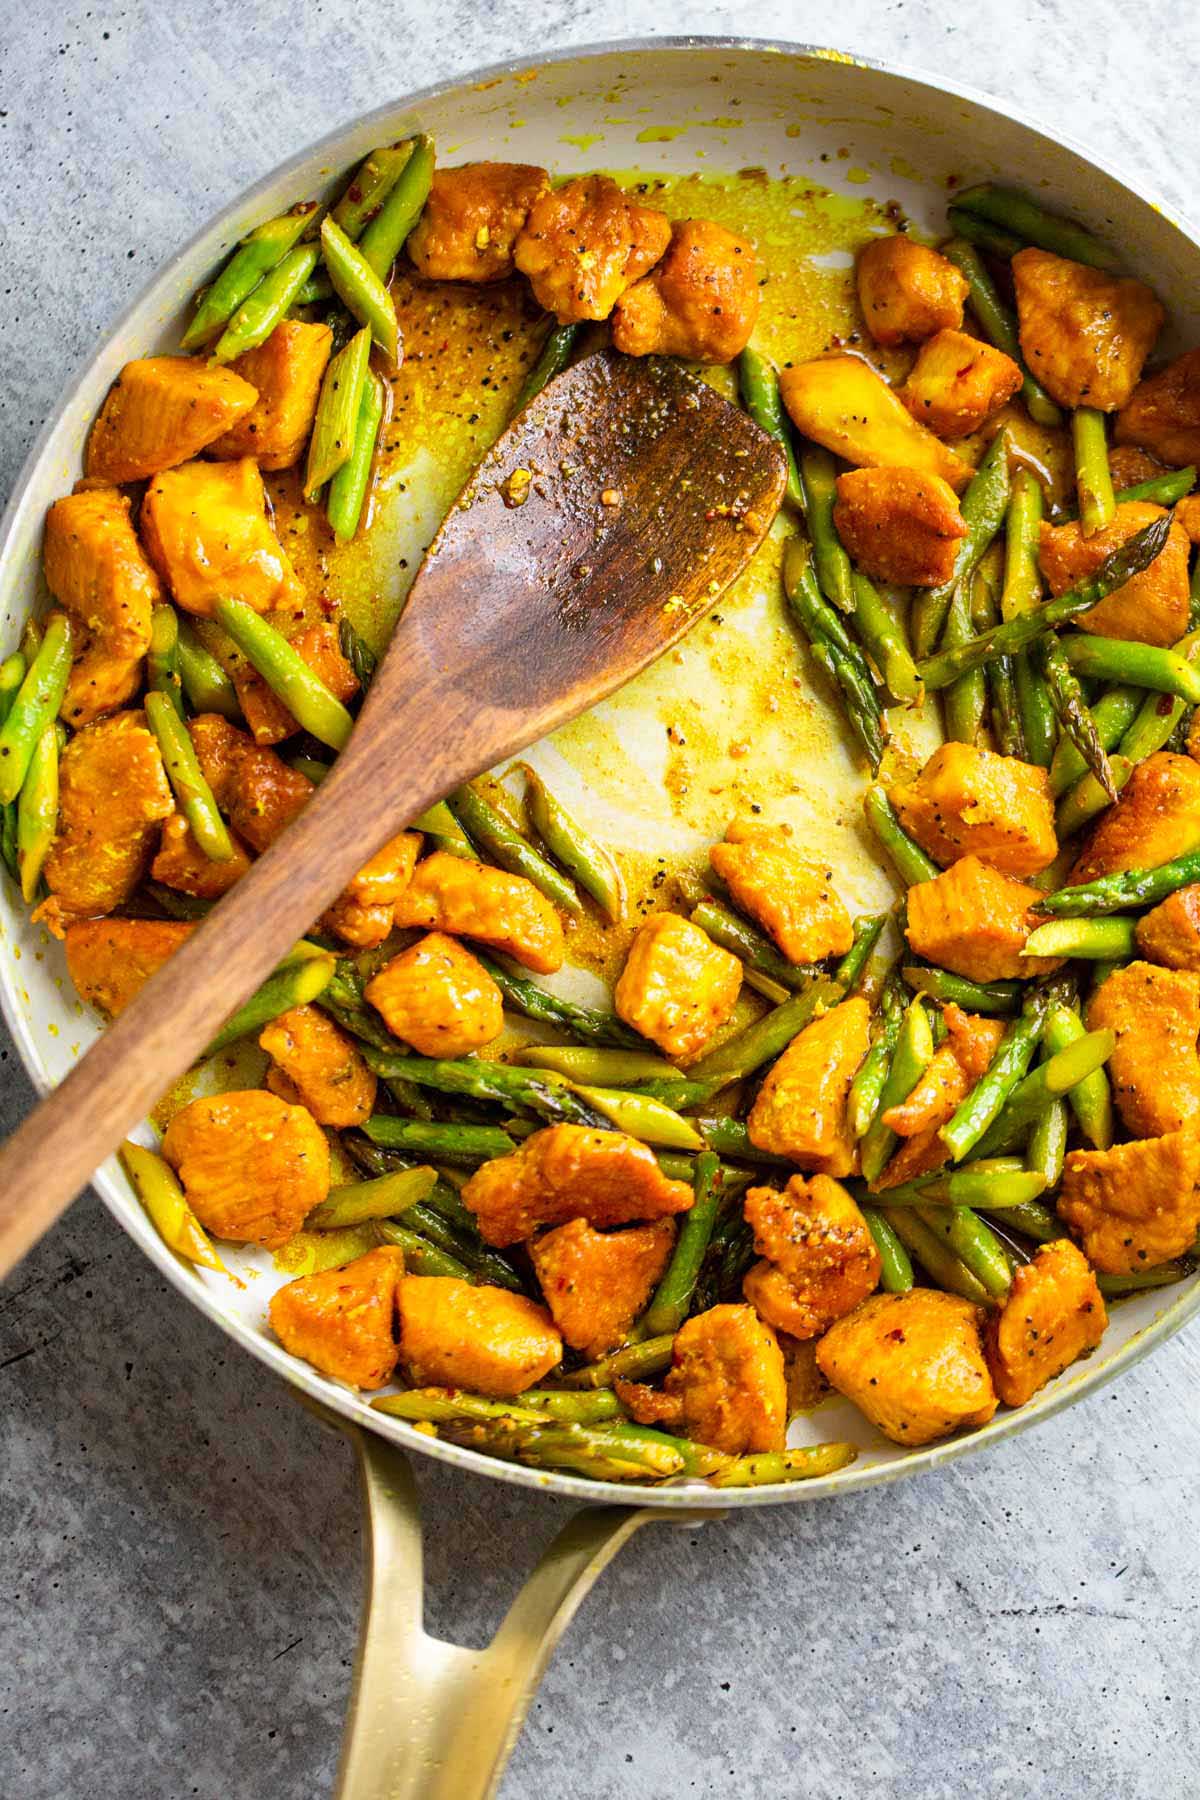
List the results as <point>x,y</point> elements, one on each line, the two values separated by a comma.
<point>832,646</point>
<point>1132,887</point>
<point>37,810</point>
<point>162,657</point>
<point>1074,715</point>
<point>1129,559</point>
<point>1093,479</point>
<point>1000,327</point>
<point>491,1081</point>
<point>1144,665</point>
<point>984,505</point>
<point>1014,212</point>
<point>987,237</point>
<point>434,1406</point>
<point>766,1468</point>
<point>990,997</point>
<point>642,1116</point>
<point>509,850</point>
<point>1056,1076</point>
<point>1035,1219</point>
<point>155,1184</point>
<point>1095,940</point>
<point>885,642</point>
<point>1164,1275</point>
<point>207,686</point>
<point>12,673</point>
<point>834,575</point>
<point>1090,1098</point>
<point>383,238</point>
<point>1045,1155</point>
<point>255,257</point>
<point>582,1408</point>
<point>360,289</point>
<point>386,1197</point>
<point>855,971</point>
<point>1011,1061</point>
<point>453,1143</point>
<point>756,950</point>
<point>571,844</point>
<point>974,1243</point>
<point>1087,798</point>
<point>286,673</point>
<point>443,831</point>
<point>420,1256</point>
<point>1022,588</point>
<point>35,705</point>
<point>187,778</point>
<point>995,1183</point>
<point>338,410</point>
<point>758,384</point>
<point>1161,490</point>
<point>673,1298</point>
<point>912,864</point>
<point>940,1263</point>
<point>730,1137</point>
<point>554,356</point>
<point>910,1059</point>
<point>262,310</point>
<point>1112,716</point>
<point>635,1362</point>
<point>350,484</point>
<point>964,702</point>
<point>601,1068</point>
<point>895,1264</point>
<point>867,1087</point>
<point>763,1041</point>
<point>369,187</point>
<point>296,982</point>
<point>582,1022</point>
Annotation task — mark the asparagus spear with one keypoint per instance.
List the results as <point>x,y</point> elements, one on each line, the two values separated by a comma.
<point>1011,1061</point>
<point>386,1197</point>
<point>369,187</point>
<point>338,410</point>
<point>295,983</point>
<point>885,642</point>
<point>634,1362</point>
<point>1144,665</point>
<point>1161,490</point>
<point>156,1187</point>
<point>600,1068</point>
<point>991,238</point>
<point>767,1467</point>
<point>187,778</point>
<point>1093,479</point>
<point>726,928</point>
<point>360,289</point>
<point>349,486</point>
<point>162,657</point>
<point>383,239</point>
<point>984,505</point>
<point>673,1298</point>
<point>1045,1155</point>
<point>267,303</point>
<point>255,257</point>
<point>840,657</point>
<point>818,478</point>
<point>895,1264</point>
<point>1112,716</point>
<point>974,996</point>
<point>766,1039</point>
<point>37,809</point>
<point>944,1268</point>
<point>912,864</point>
<point>586,860</point>
<point>1131,887</point>
<point>420,1256</point>
<point>758,384</point>
<point>207,686</point>
<point>1059,1074</point>
<point>1015,213</point>
<point>493,1081</point>
<point>553,358</point>
<point>974,1243</point>
<point>867,1087</point>
<point>34,706</point>
<point>910,1059</point>
<point>442,1143</point>
<point>1090,1099</point>
<point>995,1183</point>
<point>1074,716</point>
<point>1095,940</point>
<point>507,848</point>
<point>286,673</point>
<point>854,972</point>
<point>582,1022</point>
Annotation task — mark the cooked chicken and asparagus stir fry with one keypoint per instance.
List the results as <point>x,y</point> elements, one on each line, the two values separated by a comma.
<point>635,1239</point>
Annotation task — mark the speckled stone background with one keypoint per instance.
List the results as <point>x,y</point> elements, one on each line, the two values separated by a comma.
<point>179,1543</point>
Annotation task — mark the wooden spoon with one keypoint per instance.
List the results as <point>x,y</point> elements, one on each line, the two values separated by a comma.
<point>606,520</point>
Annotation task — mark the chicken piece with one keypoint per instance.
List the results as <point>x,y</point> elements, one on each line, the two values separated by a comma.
<point>161,411</point>
<point>286,371</point>
<point>1162,414</point>
<point>700,302</point>
<point>649,1405</point>
<point>438,998</point>
<point>95,569</point>
<point>1128,465</point>
<point>343,1321</point>
<point>841,402</point>
<point>180,863</point>
<point>957,383</point>
<point>800,1110</point>
<point>1136,1205</point>
<point>901,525</point>
<point>728,1375</point>
<point>819,1256</point>
<point>1151,607</point>
<point>483,1339</point>
<point>1054,1314</point>
<point>252,1167</point>
<point>907,291</point>
<point>957,1065</point>
<point>1084,334</point>
<point>570,1172</point>
<point>974,921</point>
<point>112,795</point>
<point>596,1283</point>
<point>1170,933</point>
<point>1156,818</point>
<point>206,531</point>
<point>322,1065</point>
<point>256,789</point>
<point>969,802</point>
<point>1187,516</point>
<point>363,913</point>
<point>111,960</point>
<point>677,986</point>
<point>268,719</point>
<point>584,244</point>
<point>469,227</point>
<point>913,1363</point>
<point>467,899</point>
<point>1154,1067</point>
<point>790,898</point>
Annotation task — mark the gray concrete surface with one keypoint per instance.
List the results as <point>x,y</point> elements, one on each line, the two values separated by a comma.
<point>179,1543</point>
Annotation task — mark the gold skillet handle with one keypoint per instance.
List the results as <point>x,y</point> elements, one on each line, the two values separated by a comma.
<point>430,1720</point>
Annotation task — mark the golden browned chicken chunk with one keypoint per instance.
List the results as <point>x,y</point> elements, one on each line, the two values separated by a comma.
<point>256,788</point>
<point>819,1258</point>
<point>800,1110</point>
<point>969,802</point>
<point>1151,607</point>
<point>163,410</point>
<point>841,402</point>
<point>1128,465</point>
<point>467,899</point>
<point>206,530</point>
<point>700,302</point>
<point>570,1172</point>
<point>111,960</point>
<point>596,1283</point>
<point>1154,1067</point>
<point>267,718</point>
<point>1053,1315</point>
<point>286,371</point>
<point>677,986</point>
<point>1084,334</point>
<point>113,794</point>
<point>790,898</point>
<point>901,525</point>
<point>180,863</point>
<point>1163,412</point>
<point>974,921</point>
<point>907,291</point>
<point>322,1065</point>
<point>438,998</point>
<point>483,1339</point>
<point>1170,933</point>
<point>252,1166</point>
<point>970,1045</point>
<point>584,244</point>
<point>1155,819</point>
<point>1137,1204</point>
<point>343,1321</point>
<point>957,383</point>
<point>95,569</point>
<point>363,914</point>
<point>1187,516</point>
<point>913,1363</point>
<point>728,1376</point>
<point>469,227</point>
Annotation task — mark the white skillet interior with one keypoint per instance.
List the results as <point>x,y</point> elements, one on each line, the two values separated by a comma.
<point>675,107</point>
